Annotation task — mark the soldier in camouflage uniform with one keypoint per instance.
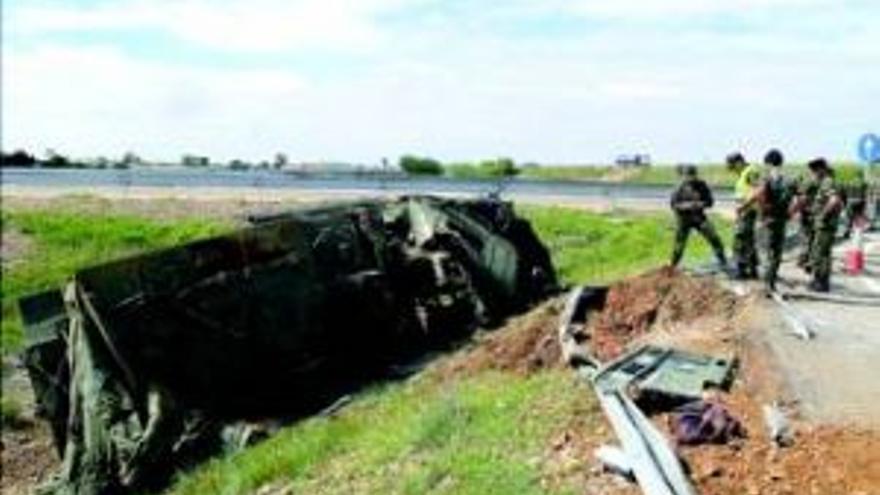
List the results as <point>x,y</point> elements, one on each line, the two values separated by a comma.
<point>689,202</point>
<point>806,192</point>
<point>773,198</point>
<point>745,252</point>
<point>825,209</point>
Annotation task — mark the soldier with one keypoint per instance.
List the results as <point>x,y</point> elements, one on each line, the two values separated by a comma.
<point>773,197</point>
<point>689,202</point>
<point>825,209</point>
<point>745,252</point>
<point>806,192</point>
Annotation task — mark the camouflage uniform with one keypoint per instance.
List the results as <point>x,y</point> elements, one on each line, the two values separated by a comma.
<point>776,199</point>
<point>825,228</point>
<point>689,202</point>
<point>806,193</point>
<point>744,250</point>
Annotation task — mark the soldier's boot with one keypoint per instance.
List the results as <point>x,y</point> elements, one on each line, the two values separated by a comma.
<point>820,284</point>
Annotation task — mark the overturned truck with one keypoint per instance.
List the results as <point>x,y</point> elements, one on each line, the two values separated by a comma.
<point>149,364</point>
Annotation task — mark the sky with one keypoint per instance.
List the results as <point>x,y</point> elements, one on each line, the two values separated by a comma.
<point>547,81</point>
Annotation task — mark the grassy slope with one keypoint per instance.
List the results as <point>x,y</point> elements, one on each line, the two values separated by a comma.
<point>63,242</point>
<point>482,434</point>
<point>486,433</point>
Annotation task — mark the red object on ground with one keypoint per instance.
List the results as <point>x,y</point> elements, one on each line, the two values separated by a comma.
<point>855,261</point>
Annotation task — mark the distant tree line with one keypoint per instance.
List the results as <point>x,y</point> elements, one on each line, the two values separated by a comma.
<point>52,159</point>
<point>484,169</point>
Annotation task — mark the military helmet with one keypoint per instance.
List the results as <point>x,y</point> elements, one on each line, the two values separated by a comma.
<point>774,158</point>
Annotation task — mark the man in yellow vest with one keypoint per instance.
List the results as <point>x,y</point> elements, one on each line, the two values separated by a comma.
<point>745,252</point>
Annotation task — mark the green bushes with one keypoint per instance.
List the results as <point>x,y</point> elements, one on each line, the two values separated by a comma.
<point>486,169</point>
<point>415,165</point>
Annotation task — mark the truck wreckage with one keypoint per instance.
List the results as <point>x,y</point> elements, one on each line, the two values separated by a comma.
<point>150,364</point>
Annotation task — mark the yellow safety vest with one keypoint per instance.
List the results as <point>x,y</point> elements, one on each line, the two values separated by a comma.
<point>746,182</point>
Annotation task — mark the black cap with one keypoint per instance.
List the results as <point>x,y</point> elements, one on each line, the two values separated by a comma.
<point>774,158</point>
<point>735,158</point>
<point>817,164</point>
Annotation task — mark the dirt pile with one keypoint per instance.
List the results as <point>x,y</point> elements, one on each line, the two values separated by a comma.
<point>639,305</point>
<point>524,345</point>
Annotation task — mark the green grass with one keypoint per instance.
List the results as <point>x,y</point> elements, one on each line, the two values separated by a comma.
<point>594,248</point>
<point>10,412</point>
<point>482,434</point>
<point>62,242</point>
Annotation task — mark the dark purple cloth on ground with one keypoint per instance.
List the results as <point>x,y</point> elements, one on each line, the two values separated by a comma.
<point>701,422</point>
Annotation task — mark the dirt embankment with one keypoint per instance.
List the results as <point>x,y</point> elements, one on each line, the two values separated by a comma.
<point>524,345</point>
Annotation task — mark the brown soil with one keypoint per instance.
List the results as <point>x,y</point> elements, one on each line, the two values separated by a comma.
<point>525,344</point>
<point>28,458</point>
<point>661,298</point>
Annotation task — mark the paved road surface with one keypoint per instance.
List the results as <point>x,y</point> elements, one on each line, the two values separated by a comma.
<point>836,376</point>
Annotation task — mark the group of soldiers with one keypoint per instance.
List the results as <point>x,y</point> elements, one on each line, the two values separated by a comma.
<point>765,202</point>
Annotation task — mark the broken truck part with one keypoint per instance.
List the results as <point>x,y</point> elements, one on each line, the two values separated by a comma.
<point>149,364</point>
<point>662,375</point>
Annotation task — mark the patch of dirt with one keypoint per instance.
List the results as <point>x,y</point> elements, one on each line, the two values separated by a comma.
<point>14,247</point>
<point>524,345</point>
<point>662,298</point>
<point>27,458</point>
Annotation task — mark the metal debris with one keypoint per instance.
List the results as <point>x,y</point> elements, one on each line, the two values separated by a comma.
<point>614,459</point>
<point>778,426</point>
<point>666,375</point>
<point>795,319</point>
<point>655,465</point>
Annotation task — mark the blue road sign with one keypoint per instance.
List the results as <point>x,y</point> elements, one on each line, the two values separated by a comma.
<point>869,148</point>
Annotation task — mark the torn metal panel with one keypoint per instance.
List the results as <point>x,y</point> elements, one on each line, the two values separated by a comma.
<point>572,332</point>
<point>615,459</point>
<point>664,373</point>
<point>656,467</point>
